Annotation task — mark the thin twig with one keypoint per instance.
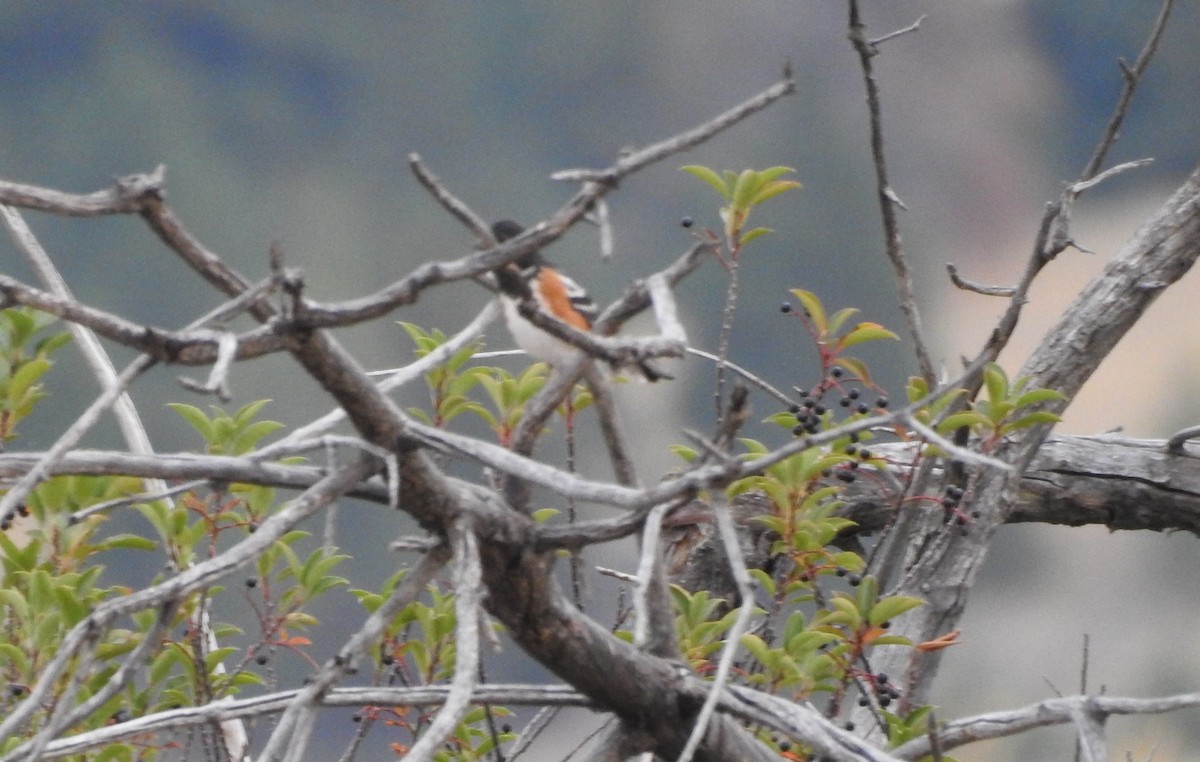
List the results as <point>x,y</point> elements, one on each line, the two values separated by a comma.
<point>174,720</point>
<point>468,586</point>
<point>136,659</point>
<point>745,586</point>
<point>1079,187</point>
<point>218,376</point>
<point>648,565</point>
<point>610,426</point>
<point>451,203</point>
<point>1180,438</point>
<point>733,266</point>
<point>72,436</point>
<point>197,577</point>
<point>396,379</point>
<point>887,203</point>
<point>758,381</point>
<point>1132,77</point>
<point>319,686</point>
<point>978,288</point>
<point>1053,235</point>
<point>914,26</point>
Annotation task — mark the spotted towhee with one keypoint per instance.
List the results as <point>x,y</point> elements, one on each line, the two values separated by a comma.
<point>556,294</point>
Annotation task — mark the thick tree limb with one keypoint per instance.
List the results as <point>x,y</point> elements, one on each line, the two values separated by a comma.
<point>1158,255</point>
<point>1111,481</point>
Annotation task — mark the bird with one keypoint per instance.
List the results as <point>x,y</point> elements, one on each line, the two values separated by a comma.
<point>555,293</point>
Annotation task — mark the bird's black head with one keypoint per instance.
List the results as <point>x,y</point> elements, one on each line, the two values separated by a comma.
<point>506,230</point>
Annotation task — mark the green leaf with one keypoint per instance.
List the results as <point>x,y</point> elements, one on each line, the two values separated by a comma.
<point>687,454</point>
<point>129,542</point>
<point>26,375</point>
<point>866,332</point>
<point>840,317</point>
<point>744,189</point>
<point>757,647</point>
<point>772,189</point>
<point>891,607</point>
<point>813,308</point>
<point>710,177</point>
<point>1032,419</point>
<point>1035,396</point>
<point>966,418</point>
<point>857,368</point>
<point>196,417</point>
<point>249,412</point>
<point>891,640</point>
<point>996,382</point>
<point>543,515</point>
<point>251,435</point>
<point>750,235</point>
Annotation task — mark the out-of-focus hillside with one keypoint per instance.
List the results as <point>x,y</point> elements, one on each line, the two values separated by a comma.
<point>293,122</point>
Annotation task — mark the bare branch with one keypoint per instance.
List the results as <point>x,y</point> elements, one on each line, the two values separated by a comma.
<point>314,693</point>
<point>1053,235</point>
<point>891,225</point>
<point>218,376</point>
<point>610,427</point>
<point>1082,185</point>
<point>468,584</point>
<point>761,383</point>
<point>1132,78</point>
<point>979,288</point>
<point>116,683</point>
<point>127,196</point>
<point>186,582</point>
<point>258,706</point>
<point>801,721</point>
<point>635,160</point>
<point>914,26</point>
<point>181,347</point>
<point>72,436</point>
<point>1055,711</point>
<point>596,184</point>
<point>451,203</point>
<point>745,586</point>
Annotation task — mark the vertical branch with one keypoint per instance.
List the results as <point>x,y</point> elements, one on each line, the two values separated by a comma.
<point>887,197</point>
<point>468,585</point>
<point>723,340</point>
<point>1133,75</point>
<point>610,426</point>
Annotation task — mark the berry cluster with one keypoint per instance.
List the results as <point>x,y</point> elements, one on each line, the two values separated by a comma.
<point>951,498</point>
<point>885,691</point>
<point>811,411</point>
<point>8,519</point>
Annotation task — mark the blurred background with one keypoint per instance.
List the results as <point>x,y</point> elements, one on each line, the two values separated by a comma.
<point>292,122</point>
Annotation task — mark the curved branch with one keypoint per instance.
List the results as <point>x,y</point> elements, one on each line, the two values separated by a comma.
<point>1055,711</point>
